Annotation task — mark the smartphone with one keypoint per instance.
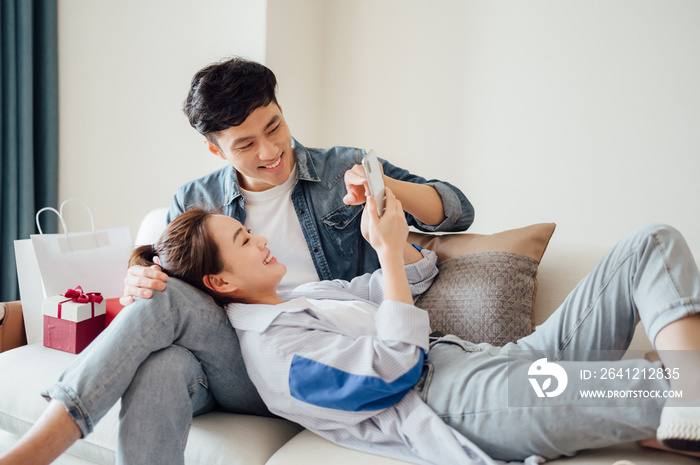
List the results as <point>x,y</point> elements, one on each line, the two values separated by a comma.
<point>375,181</point>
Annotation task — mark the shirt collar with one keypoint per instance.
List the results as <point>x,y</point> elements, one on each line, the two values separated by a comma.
<point>231,189</point>
<point>258,317</point>
<point>304,166</point>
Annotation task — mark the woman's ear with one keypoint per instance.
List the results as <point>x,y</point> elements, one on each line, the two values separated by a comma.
<point>219,284</point>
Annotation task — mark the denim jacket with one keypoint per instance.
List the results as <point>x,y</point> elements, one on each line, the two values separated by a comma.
<point>331,228</point>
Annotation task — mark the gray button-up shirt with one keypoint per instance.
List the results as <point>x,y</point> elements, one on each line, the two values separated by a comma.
<point>353,390</point>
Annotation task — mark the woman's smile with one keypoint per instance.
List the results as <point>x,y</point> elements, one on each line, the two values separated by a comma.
<point>269,259</point>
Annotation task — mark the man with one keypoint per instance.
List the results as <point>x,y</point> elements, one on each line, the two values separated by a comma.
<point>286,192</point>
<point>294,196</point>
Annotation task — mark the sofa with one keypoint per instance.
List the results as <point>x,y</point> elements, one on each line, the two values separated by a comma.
<point>492,288</point>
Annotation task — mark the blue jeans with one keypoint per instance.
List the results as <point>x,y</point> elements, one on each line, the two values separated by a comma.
<point>649,276</point>
<point>168,358</point>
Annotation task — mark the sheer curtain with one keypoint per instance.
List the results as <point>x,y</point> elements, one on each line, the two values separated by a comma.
<point>29,121</point>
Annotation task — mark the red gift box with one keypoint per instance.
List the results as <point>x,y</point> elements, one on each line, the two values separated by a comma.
<point>113,309</point>
<point>69,336</point>
<point>73,319</point>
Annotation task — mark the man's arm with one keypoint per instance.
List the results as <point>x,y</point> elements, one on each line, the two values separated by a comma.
<point>141,281</point>
<point>421,201</point>
<point>433,205</point>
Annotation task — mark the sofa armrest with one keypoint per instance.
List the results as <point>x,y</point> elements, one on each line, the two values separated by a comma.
<point>12,332</point>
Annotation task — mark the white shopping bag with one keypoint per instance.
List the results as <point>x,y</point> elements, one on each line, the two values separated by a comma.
<point>96,260</point>
<point>31,290</point>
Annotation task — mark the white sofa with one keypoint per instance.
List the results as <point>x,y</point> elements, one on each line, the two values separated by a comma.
<point>219,438</point>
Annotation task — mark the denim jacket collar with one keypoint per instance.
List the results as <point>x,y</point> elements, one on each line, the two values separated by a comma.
<point>305,171</point>
<point>305,165</point>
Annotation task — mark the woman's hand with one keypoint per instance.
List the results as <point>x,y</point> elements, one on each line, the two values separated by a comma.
<point>386,234</point>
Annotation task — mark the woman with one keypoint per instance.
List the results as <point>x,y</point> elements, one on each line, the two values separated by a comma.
<point>352,361</point>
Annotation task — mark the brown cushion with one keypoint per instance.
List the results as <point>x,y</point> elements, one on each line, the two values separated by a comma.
<point>12,326</point>
<point>486,288</point>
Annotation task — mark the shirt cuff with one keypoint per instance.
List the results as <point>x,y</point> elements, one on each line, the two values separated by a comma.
<point>422,273</point>
<point>397,321</point>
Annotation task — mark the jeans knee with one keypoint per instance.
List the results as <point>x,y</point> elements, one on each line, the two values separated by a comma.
<point>171,378</point>
<point>657,233</point>
<point>170,367</point>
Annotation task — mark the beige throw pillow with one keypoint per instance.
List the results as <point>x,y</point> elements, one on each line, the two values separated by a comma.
<point>486,288</point>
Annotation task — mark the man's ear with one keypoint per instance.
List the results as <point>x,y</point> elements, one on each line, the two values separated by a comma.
<point>219,284</point>
<point>214,149</point>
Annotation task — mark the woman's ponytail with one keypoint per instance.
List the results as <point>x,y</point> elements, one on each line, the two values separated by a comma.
<point>185,251</point>
<point>143,256</point>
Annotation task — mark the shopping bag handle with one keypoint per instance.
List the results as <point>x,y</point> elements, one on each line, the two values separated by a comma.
<point>92,221</point>
<point>60,215</point>
<point>63,223</point>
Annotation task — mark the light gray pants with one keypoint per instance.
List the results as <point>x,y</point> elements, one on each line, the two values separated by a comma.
<point>168,358</point>
<point>485,392</point>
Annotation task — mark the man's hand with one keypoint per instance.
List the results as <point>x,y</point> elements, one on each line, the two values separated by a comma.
<point>141,281</point>
<point>356,184</point>
<point>421,201</point>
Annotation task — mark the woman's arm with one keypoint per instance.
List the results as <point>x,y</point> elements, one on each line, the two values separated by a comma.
<point>387,235</point>
<point>370,286</point>
<point>417,267</point>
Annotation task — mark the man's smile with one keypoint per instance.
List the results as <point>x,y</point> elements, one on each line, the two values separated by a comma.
<point>273,165</point>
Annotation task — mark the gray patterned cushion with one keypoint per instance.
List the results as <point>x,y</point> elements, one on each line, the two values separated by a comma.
<point>483,297</point>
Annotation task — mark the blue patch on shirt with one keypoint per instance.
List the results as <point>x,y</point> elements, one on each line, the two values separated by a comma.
<point>324,386</point>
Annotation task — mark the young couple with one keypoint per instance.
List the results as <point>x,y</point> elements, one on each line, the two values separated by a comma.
<point>382,388</point>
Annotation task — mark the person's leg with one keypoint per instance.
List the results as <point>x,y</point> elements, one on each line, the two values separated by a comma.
<point>679,347</point>
<point>168,389</point>
<point>678,344</point>
<point>486,395</point>
<point>48,438</point>
<point>650,275</point>
<point>180,315</point>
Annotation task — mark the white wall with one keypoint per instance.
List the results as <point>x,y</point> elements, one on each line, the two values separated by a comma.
<point>586,114</point>
<point>124,72</point>
<point>582,113</point>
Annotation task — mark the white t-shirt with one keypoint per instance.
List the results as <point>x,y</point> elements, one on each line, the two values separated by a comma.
<point>271,214</point>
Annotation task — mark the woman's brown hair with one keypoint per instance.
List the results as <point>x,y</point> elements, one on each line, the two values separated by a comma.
<point>185,251</point>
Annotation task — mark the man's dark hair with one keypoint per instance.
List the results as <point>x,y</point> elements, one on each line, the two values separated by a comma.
<point>224,94</point>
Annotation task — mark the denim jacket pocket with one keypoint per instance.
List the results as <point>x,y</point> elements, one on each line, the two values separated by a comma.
<point>342,225</point>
